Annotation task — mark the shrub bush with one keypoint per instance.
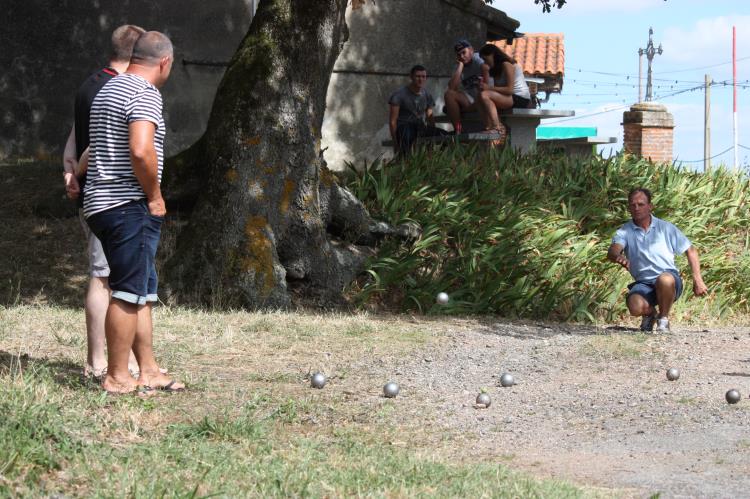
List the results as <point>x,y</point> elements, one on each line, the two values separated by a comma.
<point>527,235</point>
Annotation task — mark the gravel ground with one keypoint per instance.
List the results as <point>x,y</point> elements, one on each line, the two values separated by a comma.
<point>591,405</point>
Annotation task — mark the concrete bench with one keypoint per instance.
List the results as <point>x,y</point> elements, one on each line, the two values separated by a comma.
<point>522,124</point>
<point>578,146</point>
<point>460,138</point>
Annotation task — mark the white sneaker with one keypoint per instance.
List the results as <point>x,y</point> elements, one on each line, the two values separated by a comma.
<point>662,325</point>
<point>647,323</point>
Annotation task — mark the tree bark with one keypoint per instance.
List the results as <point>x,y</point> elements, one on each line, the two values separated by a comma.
<point>264,196</point>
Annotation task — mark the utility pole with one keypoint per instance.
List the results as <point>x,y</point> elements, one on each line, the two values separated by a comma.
<point>734,90</point>
<point>640,75</point>
<point>650,51</point>
<point>707,127</point>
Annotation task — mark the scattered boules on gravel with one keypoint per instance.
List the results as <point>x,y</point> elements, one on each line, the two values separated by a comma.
<point>732,396</point>
<point>391,389</point>
<point>483,400</point>
<point>318,380</point>
<point>507,380</point>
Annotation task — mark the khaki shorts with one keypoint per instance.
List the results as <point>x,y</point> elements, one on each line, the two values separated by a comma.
<point>98,266</point>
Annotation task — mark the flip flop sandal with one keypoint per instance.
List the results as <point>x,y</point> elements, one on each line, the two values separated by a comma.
<point>169,387</point>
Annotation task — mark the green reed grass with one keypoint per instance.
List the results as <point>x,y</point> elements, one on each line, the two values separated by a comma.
<point>526,235</point>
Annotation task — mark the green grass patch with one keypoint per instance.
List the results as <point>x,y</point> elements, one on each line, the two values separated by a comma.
<point>77,442</point>
<point>526,235</point>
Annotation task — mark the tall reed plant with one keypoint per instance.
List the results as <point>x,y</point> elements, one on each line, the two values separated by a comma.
<point>526,235</point>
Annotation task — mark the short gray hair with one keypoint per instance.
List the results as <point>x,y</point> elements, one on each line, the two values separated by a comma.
<point>123,40</point>
<point>151,47</point>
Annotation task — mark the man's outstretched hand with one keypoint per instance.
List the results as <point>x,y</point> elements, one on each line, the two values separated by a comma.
<point>699,288</point>
<point>622,260</point>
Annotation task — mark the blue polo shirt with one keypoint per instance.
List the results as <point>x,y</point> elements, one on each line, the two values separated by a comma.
<point>651,252</point>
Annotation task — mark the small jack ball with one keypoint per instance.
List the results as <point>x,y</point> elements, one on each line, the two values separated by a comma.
<point>391,389</point>
<point>507,380</point>
<point>673,374</point>
<point>318,380</point>
<point>483,399</point>
<point>442,298</point>
<point>733,396</point>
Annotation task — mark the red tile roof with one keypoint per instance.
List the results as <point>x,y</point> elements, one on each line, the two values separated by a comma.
<point>540,54</point>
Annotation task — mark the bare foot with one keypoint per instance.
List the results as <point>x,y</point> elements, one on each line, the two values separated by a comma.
<point>136,373</point>
<point>116,386</point>
<point>95,372</point>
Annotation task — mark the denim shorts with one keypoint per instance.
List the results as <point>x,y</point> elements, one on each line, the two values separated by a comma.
<point>130,236</point>
<point>647,289</point>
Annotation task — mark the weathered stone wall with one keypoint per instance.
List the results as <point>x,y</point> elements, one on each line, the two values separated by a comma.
<point>50,46</point>
<point>385,40</point>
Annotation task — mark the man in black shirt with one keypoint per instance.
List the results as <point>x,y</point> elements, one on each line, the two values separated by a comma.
<point>98,293</point>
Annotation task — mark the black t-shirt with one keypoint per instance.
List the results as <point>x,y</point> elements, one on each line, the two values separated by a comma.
<point>84,98</point>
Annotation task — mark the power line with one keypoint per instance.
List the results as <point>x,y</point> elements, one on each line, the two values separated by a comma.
<point>712,157</point>
<point>626,106</point>
<point>626,75</point>
<point>744,147</point>
<point>630,75</point>
<point>702,67</point>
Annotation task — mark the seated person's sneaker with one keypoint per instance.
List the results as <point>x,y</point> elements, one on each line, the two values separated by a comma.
<point>647,323</point>
<point>662,324</point>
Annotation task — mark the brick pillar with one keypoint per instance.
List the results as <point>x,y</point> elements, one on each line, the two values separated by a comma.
<point>649,131</point>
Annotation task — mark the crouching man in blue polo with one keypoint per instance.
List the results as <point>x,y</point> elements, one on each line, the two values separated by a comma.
<point>646,247</point>
<point>124,207</point>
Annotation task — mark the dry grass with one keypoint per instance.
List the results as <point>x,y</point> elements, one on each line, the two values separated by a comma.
<point>248,418</point>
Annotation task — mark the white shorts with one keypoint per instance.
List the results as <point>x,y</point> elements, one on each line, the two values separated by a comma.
<point>98,266</point>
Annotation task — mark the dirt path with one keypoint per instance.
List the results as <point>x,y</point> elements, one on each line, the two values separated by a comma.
<point>592,405</point>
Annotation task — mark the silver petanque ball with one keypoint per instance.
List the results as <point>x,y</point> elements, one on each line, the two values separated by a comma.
<point>442,298</point>
<point>391,389</point>
<point>673,374</point>
<point>483,399</point>
<point>733,396</point>
<point>507,380</point>
<point>318,380</point>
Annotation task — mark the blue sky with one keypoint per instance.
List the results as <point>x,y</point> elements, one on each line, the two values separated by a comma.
<point>603,36</point>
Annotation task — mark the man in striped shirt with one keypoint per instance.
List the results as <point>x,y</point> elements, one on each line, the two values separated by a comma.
<point>124,207</point>
<point>97,293</point>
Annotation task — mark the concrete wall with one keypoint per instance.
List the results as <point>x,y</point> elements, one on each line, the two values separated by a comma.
<point>50,46</point>
<point>388,37</point>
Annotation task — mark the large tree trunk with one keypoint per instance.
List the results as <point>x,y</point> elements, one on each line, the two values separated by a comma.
<point>265,198</point>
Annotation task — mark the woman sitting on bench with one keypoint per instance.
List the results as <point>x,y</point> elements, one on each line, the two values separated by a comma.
<point>503,86</point>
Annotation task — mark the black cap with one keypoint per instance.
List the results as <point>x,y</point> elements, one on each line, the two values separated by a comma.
<point>461,44</point>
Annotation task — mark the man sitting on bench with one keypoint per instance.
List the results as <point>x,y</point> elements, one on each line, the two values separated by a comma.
<point>463,86</point>
<point>411,112</point>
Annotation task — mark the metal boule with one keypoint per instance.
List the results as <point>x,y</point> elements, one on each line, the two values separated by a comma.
<point>673,374</point>
<point>318,380</point>
<point>484,399</point>
<point>733,396</point>
<point>507,380</point>
<point>442,298</point>
<point>391,389</point>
